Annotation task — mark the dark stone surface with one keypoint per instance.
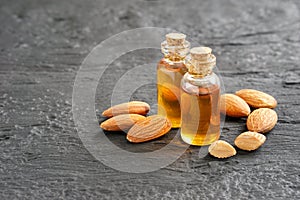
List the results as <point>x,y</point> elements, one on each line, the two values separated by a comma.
<point>42,44</point>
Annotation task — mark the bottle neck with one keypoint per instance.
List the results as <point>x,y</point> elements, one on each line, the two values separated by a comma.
<point>176,53</point>
<point>202,73</point>
<point>174,58</point>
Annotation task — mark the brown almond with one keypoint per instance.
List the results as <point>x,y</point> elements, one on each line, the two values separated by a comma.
<point>221,149</point>
<point>234,106</point>
<point>257,99</point>
<point>148,129</point>
<point>132,107</point>
<point>170,92</point>
<point>262,120</point>
<point>249,141</point>
<point>121,122</point>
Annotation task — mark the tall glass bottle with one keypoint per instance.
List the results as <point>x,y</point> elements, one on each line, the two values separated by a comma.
<point>200,99</point>
<point>170,71</point>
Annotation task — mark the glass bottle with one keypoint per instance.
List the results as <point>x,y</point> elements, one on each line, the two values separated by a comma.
<point>200,99</point>
<point>170,71</point>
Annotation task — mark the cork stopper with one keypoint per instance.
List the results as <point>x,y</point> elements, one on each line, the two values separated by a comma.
<point>175,39</point>
<point>201,53</point>
<point>201,61</point>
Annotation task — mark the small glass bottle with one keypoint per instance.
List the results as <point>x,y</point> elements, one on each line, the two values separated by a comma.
<point>170,71</point>
<point>200,99</point>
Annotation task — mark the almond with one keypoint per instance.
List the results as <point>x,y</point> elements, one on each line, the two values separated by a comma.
<point>262,120</point>
<point>234,106</point>
<point>221,149</point>
<point>132,107</point>
<point>249,141</point>
<point>257,99</point>
<point>121,122</point>
<point>170,92</point>
<point>148,129</point>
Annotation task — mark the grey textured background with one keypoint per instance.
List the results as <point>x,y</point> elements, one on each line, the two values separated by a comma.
<point>42,44</point>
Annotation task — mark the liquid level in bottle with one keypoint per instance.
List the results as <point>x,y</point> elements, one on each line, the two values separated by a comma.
<point>169,75</point>
<point>200,115</point>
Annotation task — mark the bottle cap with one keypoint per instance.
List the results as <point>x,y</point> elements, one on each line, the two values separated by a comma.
<point>201,61</point>
<point>201,53</point>
<point>175,39</point>
<point>175,47</point>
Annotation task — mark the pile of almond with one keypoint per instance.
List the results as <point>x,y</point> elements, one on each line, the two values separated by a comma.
<point>260,121</point>
<point>130,117</point>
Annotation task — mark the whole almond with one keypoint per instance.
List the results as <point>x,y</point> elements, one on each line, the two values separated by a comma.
<point>132,107</point>
<point>170,92</point>
<point>121,122</point>
<point>257,99</point>
<point>234,106</point>
<point>221,149</point>
<point>249,141</point>
<point>262,120</point>
<point>148,129</point>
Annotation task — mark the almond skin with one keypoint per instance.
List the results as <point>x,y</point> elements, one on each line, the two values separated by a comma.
<point>121,122</point>
<point>249,141</point>
<point>257,99</point>
<point>262,120</point>
<point>150,128</point>
<point>234,106</point>
<point>132,107</point>
<point>221,149</point>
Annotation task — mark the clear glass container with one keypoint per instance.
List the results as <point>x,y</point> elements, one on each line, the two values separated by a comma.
<point>170,71</point>
<point>200,100</point>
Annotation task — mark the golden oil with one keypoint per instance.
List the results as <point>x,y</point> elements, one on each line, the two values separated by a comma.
<point>200,99</point>
<point>170,71</point>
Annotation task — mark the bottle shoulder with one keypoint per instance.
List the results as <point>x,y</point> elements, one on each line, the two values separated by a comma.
<point>167,64</point>
<point>194,79</point>
<point>200,85</point>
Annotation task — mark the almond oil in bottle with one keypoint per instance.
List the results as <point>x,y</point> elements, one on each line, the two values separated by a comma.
<point>200,99</point>
<point>170,71</point>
